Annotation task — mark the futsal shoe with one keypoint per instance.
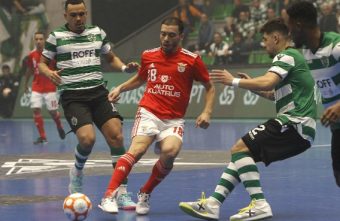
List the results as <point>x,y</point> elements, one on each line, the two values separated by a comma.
<point>76,181</point>
<point>337,177</point>
<point>143,204</point>
<point>109,203</point>
<point>201,209</point>
<point>125,202</point>
<point>40,140</point>
<point>257,210</point>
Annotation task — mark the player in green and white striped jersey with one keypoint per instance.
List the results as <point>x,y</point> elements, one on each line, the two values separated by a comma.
<point>289,83</point>
<point>322,52</point>
<point>77,47</point>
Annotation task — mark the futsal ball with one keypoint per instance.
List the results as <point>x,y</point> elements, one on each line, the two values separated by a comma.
<point>77,206</point>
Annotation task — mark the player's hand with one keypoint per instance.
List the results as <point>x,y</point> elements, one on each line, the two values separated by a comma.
<point>221,76</point>
<point>203,121</point>
<point>113,96</point>
<point>6,91</point>
<point>132,67</point>
<point>54,76</point>
<point>243,75</point>
<point>331,115</point>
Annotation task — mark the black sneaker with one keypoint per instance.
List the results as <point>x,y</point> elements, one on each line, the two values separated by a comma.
<point>40,140</point>
<point>61,133</point>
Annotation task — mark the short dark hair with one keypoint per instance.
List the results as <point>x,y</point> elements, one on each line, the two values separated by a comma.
<point>73,2</point>
<point>39,33</point>
<point>273,25</point>
<point>174,21</point>
<point>5,66</point>
<point>305,12</point>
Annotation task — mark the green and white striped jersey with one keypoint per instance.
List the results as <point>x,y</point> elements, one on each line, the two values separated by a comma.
<point>294,95</point>
<point>78,55</point>
<point>325,68</point>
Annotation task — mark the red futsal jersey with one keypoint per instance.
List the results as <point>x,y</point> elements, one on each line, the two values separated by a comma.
<point>40,82</point>
<point>169,81</point>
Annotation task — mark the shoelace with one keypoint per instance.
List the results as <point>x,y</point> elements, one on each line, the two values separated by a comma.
<point>145,197</point>
<point>126,197</point>
<point>245,209</point>
<point>104,200</point>
<point>203,199</point>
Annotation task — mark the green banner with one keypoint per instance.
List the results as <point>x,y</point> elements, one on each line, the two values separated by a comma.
<point>230,102</point>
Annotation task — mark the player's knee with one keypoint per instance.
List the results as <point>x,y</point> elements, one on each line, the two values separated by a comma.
<point>36,111</point>
<point>170,153</point>
<point>53,113</point>
<point>86,141</point>
<point>116,140</point>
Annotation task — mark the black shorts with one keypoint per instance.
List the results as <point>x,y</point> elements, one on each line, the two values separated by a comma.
<point>270,142</point>
<point>82,107</point>
<point>336,149</point>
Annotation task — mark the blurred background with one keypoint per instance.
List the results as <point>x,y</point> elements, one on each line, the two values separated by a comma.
<point>225,33</point>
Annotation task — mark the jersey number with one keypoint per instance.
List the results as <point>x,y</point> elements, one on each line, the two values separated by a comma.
<point>152,75</point>
<point>259,128</point>
<point>179,131</point>
<point>54,103</point>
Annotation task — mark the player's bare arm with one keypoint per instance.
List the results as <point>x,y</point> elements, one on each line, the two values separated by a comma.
<point>29,72</point>
<point>134,82</point>
<point>117,64</point>
<point>266,94</point>
<point>266,82</point>
<point>203,120</point>
<point>331,115</point>
<point>54,76</point>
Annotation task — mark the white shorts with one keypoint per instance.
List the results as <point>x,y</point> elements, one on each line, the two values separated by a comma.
<point>147,124</point>
<point>50,99</point>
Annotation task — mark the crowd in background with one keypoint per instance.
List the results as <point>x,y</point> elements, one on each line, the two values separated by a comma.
<point>9,86</point>
<point>232,41</point>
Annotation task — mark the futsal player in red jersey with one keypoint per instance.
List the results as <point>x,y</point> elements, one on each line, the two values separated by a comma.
<point>43,91</point>
<point>169,72</point>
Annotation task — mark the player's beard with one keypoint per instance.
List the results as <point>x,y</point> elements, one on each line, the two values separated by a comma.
<point>298,40</point>
<point>168,48</point>
<point>298,43</point>
<point>80,27</point>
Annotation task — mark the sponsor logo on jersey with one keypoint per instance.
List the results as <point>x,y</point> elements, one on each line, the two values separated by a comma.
<point>164,78</point>
<point>181,67</point>
<point>279,56</point>
<point>324,61</point>
<point>152,65</point>
<point>83,54</point>
<point>74,121</point>
<point>91,37</point>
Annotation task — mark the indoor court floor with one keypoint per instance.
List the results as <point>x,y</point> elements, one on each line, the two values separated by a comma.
<point>34,178</point>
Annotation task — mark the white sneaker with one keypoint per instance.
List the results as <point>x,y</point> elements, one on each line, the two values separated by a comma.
<point>109,204</point>
<point>143,204</point>
<point>76,181</point>
<point>257,210</point>
<point>201,209</point>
